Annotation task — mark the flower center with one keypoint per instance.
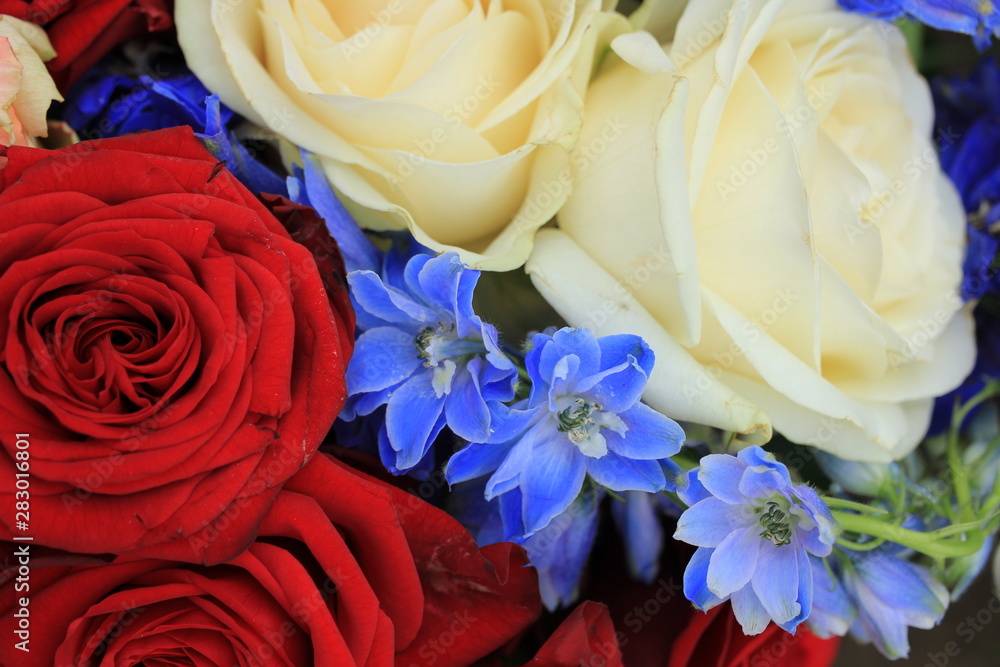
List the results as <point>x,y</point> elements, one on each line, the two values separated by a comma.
<point>776,528</point>
<point>573,420</point>
<point>439,347</point>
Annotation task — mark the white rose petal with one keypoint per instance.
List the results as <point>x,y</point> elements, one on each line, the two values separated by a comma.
<point>772,218</point>
<point>452,119</point>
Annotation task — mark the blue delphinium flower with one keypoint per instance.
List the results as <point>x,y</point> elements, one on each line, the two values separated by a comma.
<point>425,355</point>
<point>583,417</point>
<point>558,552</point>
<point>888,594</point>
<point>968,126</point>
<point>754,531</point>
<point>979,18</point>
<point>108,103</point>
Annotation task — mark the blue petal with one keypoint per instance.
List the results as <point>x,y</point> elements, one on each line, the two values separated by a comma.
<point>749,611</point>
<point>708,522</point>
<point>674,474</point>
<point>562,382</point>
<point>411,419</point>
<point>891,595</point>
<point>776,581</point>
<point>511,515</point>
<point>805,592</point>
<point>626,362</point>
<point>550,483</point>
<point>475,460</point>
<point>359,253</point>
<point>560,550</point>
<point>756,457</point>
<point>389,457</point>
<point>500,373</point>
<point>521,455</point>
<point>377,303</point>
<point>360,405</point>
<point>620,474</point>
<point>650,435</point>
<point>616,349</point>
<point>734,562</point>
<point>467,413</point>
<point>383,357</point>
<point>720,474</point>
<point>252,173</point>
<point>580,343</point>
<point>689,487</point>
<point>638,522</point>
<point>438,280</point>
<point>696,581</point>
<point>510,422</point>
<point>818,539</point>
<point>468,322</point>
<point>762,483</point>
<point>905,587</point>
<point>535,345</point>
<point>832,612</point>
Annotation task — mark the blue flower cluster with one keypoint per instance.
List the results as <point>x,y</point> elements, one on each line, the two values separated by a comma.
<point>968,118</point>
<point>106,103</point>
<point>535,470</point>
<point>979,18</point>
<point>877,596</point>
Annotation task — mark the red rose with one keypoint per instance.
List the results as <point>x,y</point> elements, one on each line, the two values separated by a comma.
<point>169,350</point>
<point>715,639</point>
<point>585,639</point>
<point>346,571</point>
<point>82,31</point>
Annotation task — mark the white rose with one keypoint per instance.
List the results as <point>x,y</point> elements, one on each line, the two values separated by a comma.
<point>451,118</point>
<point>26,88</point>
<point>772,218</point>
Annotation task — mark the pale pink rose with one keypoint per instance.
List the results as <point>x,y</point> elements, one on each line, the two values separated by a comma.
<point>26,89</point>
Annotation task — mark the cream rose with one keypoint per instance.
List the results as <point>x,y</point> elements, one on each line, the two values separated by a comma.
<point>453,118</point>
<point>772,218</point>
<point>26,88</point>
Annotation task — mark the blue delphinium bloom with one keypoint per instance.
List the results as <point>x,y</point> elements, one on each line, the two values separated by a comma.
<point>754,531</point>
<point>558,552</point>
<point>890,595</point>
<point>968,125</point>
<point>979,18</point>
<point>425,355</point>
<point>106,103</point>
<point>583,417</point>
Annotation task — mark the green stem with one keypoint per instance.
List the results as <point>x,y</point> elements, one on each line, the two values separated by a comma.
<point>926,543</point>
<point>960,478</point>
<point>858,546</point>
<point>959,471</point>
<point>851,505</point>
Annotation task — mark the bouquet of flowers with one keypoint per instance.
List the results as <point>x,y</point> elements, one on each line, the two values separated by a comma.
<point>495,332</point>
